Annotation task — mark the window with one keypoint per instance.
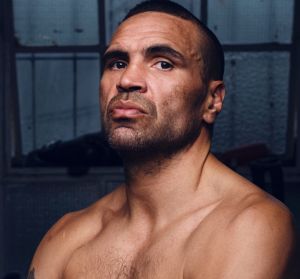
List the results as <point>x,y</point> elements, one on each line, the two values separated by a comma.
<point>57,49</point>
<point>257,36</point>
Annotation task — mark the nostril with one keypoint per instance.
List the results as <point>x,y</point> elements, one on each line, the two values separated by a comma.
<point>135,88</point>
<point>121,89</point>
<point>130,89</point>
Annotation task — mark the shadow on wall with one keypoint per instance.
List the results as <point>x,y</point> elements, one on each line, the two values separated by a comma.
<point>77,155</point>
<point>12,275</point>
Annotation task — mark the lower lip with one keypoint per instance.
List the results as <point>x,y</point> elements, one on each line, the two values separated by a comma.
<point>126,113</point>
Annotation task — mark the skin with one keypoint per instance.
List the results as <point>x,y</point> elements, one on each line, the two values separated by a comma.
<point>181,212</point>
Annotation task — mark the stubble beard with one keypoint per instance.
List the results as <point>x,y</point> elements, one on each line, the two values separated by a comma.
<point>153,139</point>
<point>147,139</point>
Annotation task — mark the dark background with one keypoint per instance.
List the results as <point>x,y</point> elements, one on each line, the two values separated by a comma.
<point>53,158</point>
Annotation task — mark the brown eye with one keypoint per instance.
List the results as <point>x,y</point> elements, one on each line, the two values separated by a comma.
<point>117,65</point>
<point>164,65</point>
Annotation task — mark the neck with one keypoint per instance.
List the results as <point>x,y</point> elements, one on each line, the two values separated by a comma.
<point>162,187</point>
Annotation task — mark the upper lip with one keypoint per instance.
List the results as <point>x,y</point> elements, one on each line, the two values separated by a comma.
<point>126,105</point>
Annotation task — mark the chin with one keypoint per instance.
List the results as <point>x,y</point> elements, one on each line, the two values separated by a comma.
<point>124,139</point>
<point>161,140</point>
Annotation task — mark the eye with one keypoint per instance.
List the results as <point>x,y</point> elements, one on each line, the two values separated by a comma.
<point>164,65</point>
<point>116,65</point>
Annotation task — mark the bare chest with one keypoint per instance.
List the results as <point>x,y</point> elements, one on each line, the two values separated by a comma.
<point>160,260</point>
<point>112,265</point>
<point>119,254</point>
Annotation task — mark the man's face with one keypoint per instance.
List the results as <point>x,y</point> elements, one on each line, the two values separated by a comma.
<point>151,91</point>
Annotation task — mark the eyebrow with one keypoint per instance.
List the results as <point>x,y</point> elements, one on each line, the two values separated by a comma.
<point>164,50</point>
<point>150,51</point>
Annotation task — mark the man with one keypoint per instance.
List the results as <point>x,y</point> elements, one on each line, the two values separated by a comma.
<point>181,213</point>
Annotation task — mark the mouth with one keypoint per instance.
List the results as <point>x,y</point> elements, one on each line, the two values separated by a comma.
<point>126,109</point>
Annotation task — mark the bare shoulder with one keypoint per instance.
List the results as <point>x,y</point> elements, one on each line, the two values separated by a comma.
<point>265,220</point>
<point>250,234</point>
<point>250,206</point>
<point>260,225</point>
<point>261,239</point>
<point>256,211</point>
<point>71,232</point>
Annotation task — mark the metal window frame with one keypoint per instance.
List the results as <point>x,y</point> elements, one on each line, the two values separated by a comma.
<point>9,94</point>
<point>292,48</point>
<point>2,143</point>
<point>294,101</point>
<point>11,172</point>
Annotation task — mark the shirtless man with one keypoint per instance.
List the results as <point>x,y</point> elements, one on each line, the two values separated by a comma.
<point>181,213</point>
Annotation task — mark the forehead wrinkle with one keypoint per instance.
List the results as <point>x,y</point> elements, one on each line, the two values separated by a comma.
<point>163,49</point>
<point>152,49</point>
<point>161,28</point>
<point>156,22</point>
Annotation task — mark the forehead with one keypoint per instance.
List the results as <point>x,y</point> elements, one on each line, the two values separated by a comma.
<point>144,29</point>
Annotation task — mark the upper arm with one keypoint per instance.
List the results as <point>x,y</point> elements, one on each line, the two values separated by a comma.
<point>56,248</point>
<point>52,252</point>
<point>261,240</point>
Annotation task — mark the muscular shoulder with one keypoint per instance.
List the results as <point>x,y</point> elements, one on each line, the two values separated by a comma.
<point>264,220</point>
<point>72,231</point>
<point>262,210</point>
<point>261,240</point>
<point>257,212</point>
<point>252,239</point>
<point>250,208</point>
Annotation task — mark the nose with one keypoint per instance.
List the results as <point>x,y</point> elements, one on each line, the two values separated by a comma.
<point>132,80</point>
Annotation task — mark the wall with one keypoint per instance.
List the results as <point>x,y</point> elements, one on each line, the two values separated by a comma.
<point>34,205</point>
<point>1,135</point>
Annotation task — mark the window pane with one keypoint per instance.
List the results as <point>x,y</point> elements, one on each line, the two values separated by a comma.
<point>254,21</point>
<point>256,105</point>
<point>117,9</point>
<point>24,70</point>
<point>58,97</point>
<point>191,5</point>
<point>53,100</point>
<point>51,23</point>
<point>87,112</point>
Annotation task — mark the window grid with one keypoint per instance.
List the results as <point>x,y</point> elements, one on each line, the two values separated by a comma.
<point>77,50</point>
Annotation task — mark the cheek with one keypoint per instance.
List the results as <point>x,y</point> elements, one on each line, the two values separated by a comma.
<point>173,106</point>
<point>182,104</point>
<point>102,98</point>
<point>193,96</point>
<point>106,92</point>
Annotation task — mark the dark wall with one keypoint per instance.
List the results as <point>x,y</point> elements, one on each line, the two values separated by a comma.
<point>32,207</point>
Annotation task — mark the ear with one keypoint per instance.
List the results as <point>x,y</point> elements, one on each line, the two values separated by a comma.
<point>214,101</point>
